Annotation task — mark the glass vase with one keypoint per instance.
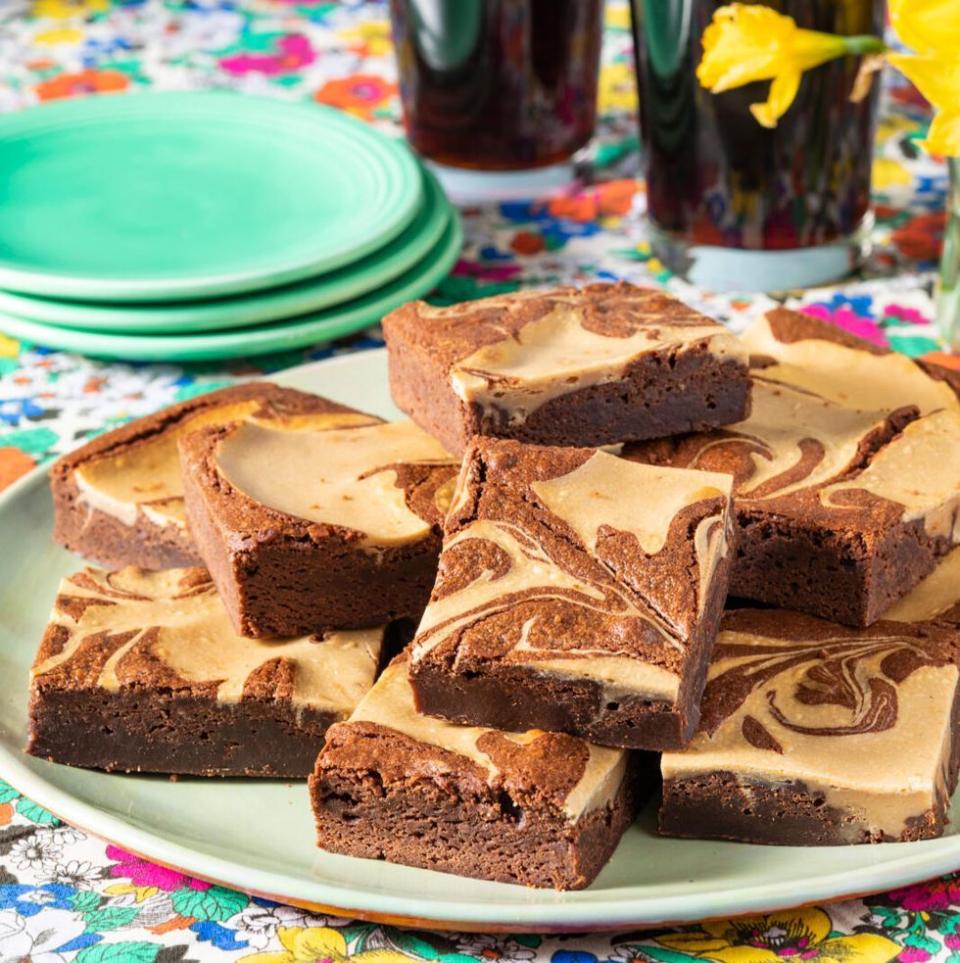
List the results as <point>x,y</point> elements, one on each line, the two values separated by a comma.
<point>948,285</point>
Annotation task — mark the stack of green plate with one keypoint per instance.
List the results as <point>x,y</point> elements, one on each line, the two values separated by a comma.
<point>184,226</point>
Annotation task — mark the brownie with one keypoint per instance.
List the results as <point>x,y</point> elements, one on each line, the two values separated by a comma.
<point>118,499</point>
<point>816,734</point>
<point>936,598</point>
<point>841,509</point>
<point>317,520</point>
<point>593,366</point>
<point>536,808</point>
<point>141,671</point>
<point>791,348</point>
<point>577,592</point>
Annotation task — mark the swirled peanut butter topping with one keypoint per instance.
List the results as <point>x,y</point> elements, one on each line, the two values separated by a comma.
<point>345,477</point>
<point>114,629</point>
<point>862,717</point>
<point>511,573</point>
<point>794,441</point>
<point>591,777</point>
<point>568,344</point>
<point>848,376</point>
<point>145,476</point>
<point>920,470</point>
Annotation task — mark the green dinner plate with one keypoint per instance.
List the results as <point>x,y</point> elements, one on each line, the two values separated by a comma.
<point>283,335</point>
<point>172,196</point>
<point>334,287</point>
<point>259,835</point>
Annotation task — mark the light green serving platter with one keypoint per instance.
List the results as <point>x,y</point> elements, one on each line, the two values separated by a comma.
<point>258,836</point>
<point>284,335</point>
<point>171,196</point>
<point>273,304</point>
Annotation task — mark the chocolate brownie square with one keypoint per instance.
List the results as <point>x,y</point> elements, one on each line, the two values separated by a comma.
<point>788,347</point>
<point>118,499</point>
<point>577,592</point>
<point>327,520</point>
<point>841,509</point>
<point>593,366</point>
<point>141,671</point>
<point>537,808</point>
<point>814,734</point>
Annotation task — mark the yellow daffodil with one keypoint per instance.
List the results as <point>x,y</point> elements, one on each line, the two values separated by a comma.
<point>749,42</point>
<point>932,29</point>
<point>927,25</point>
<point>802,934</point>
<point>310,944</point>
<point>938,79</point>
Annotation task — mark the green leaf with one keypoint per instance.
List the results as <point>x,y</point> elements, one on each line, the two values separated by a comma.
<point>85,900</point>
<point>217,904</point>
<point>36,814</point>
<point>7,792</point>
<point>138,952</point>
<point>415,945</point>
<point>527,939</point>
<point>110,918</point>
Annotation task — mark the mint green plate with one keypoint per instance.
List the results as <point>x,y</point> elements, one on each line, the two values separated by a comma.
<point>244,342</point>
<point>335,287</point>
<point>259,836</point>
<point>171,196</point>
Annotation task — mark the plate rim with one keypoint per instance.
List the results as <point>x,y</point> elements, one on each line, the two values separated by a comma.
<point>553,913</point>
<point>254,307</point>
<point>89,287</point>
<point>285,335</point>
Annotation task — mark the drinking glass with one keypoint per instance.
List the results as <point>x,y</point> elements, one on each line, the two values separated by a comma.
<point>732,204</point>
<point>498,85</point>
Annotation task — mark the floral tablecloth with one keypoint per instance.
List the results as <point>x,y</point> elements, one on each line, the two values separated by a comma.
<point>65,896</point>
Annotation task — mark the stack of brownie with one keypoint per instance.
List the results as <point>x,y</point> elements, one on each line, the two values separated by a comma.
<point>586,477</point>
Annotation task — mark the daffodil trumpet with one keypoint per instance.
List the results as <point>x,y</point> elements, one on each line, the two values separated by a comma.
<point>750,42</point>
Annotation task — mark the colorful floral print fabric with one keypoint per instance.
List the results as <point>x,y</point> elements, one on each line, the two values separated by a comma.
<point>65,896</point>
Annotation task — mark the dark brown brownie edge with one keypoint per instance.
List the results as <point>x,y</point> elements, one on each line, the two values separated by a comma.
<point>645,403</point>
<point>106,540</point>
<point>286,577</point>
<point>445,824</point>
<point>719,806</point>
<point>136,730</point>
<point>841,575</point>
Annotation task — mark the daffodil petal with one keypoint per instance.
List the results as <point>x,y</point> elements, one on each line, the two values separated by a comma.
<point>937,78</point>
<point>270,958</point>
<point>944,135</point>
<point>783,90</point>
<point>927,25</point>
<point>860,948</point>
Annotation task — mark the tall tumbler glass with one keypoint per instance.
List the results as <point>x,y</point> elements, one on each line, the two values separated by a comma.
<point>733,204</point>
<point>502,86</point>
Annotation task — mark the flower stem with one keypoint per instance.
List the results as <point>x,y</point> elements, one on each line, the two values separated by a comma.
<point>864,44</point>
<point>948,285</point>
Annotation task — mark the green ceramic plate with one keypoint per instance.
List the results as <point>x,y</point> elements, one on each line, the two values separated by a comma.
<point>273,304</point>
<point>258,836</point>
<point>170,196</point>
<point>283,335</point>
